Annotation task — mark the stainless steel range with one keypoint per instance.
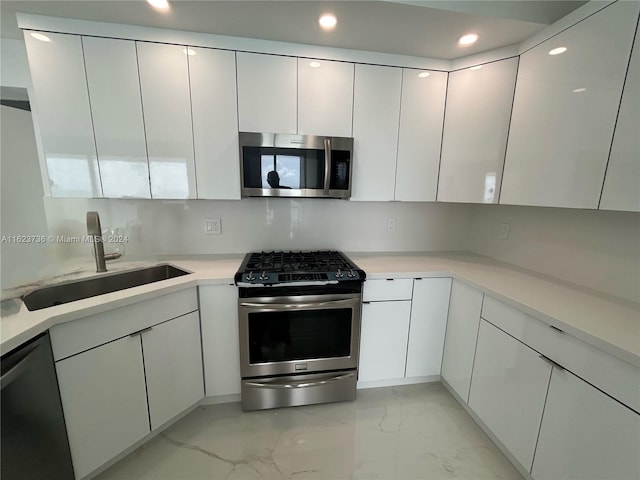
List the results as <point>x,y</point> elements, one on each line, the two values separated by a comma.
<point>299,322</point>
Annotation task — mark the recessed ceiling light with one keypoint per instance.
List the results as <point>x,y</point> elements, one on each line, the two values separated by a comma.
<point>159,4</point>
<point>314,64</point>
<point>328,21</point>
<point>424,74</point>
<point>557,51</point>
<point>579,90</point>
<point>468,39</point>
<point>40,36</point>
<point>475,67</point>
<point>188,51</point>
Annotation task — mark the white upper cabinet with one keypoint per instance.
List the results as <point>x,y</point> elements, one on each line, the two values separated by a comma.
<point>325,97</point>
<point>376,110</point>
<point>420,137</point>
<point>479,101</point>
<point>215,122</point>
<point>116,108</point>
<point>164,81</point>
<point>60,103</point>
<point>267,93</point>
<point>564,112</point>
<point>621,189</point>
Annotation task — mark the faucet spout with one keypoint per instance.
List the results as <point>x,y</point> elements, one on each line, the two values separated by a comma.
<point>94,230</point>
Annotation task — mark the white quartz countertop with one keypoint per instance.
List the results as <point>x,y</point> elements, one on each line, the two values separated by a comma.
<point>607,322</point>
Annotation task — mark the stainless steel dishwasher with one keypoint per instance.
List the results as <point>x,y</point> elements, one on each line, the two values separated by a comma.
<point>34,442</point>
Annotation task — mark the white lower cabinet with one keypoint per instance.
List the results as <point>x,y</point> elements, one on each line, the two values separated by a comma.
<point>508,390</point>
<point>586,434</point>
<point>460,340</point>
<point>220,343</point>
<point>105,402</point>
<point>429,308</point>
<point>173,367</point>
<point>126,372</point>
<point>383,340</point>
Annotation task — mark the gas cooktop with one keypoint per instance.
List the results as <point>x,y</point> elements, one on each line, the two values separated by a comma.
<point>296,268</point>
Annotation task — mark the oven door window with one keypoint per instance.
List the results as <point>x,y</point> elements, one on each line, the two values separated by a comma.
<point>299,335</point>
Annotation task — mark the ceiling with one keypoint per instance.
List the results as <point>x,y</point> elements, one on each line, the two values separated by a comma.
<point>418,28</point>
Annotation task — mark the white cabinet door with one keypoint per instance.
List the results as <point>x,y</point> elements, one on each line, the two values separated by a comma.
<point>376,111</point>
<point>267,93</point>
<point>465,306</point>
<point>420,137</point>
<point>621,189</point>
<point>116,108</point>
<point>104,401</point>
<point>173,367</point>
<point>565,110</point>
<point>164,81</point>
<point>325,97</point>
<point>429,309</point>
<point>585,434</point>
<point>383,340</point>
<point>220,342</point>
<point>476,125</point>
<point>508,390</point>
<point>60,105</point>
<point>215,122</point>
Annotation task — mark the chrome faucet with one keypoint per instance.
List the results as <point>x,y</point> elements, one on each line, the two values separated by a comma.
<point>94,230</point>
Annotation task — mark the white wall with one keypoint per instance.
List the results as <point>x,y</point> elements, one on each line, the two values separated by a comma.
<point>22,210</point>
<point>596,249</point>
<point>177,227</point>
<point>15,69</point>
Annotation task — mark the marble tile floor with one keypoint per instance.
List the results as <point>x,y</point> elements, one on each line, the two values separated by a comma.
<point>408,432</point>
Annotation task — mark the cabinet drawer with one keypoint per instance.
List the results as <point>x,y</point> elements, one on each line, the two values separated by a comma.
<point>608,373</point>
<point>387,289</point>
<point>80,335</point>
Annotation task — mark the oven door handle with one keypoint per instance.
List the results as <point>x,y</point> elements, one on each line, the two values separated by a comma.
<point>302,383</point>
<point>294,306</point>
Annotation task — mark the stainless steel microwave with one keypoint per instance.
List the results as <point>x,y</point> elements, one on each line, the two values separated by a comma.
<point>289,165</point>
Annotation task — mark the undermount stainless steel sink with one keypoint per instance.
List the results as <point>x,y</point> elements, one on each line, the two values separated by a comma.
<point>79,289</point>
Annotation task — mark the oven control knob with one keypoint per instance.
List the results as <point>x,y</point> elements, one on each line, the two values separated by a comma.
<point>264,276</point>
<point>339,274</point>
<point>351,274</point>
<point>251,277</point>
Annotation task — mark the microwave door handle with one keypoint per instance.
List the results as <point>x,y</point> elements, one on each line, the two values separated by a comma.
<point>327,164</point>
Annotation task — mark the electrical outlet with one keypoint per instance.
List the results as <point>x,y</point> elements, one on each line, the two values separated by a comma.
<point>391,224</point>
<point>504,231</point>
<point>212,226</point>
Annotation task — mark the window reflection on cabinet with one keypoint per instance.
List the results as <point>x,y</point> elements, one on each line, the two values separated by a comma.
<point>164,81</point>
<point>60,105</point>
<point>116,107</point>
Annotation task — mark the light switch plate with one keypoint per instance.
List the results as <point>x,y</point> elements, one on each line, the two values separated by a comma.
<point>212,226</point>
<point>504,231</point>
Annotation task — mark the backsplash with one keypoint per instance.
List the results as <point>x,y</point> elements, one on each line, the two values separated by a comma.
<point>596,249</point>
<point>177,227</point>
